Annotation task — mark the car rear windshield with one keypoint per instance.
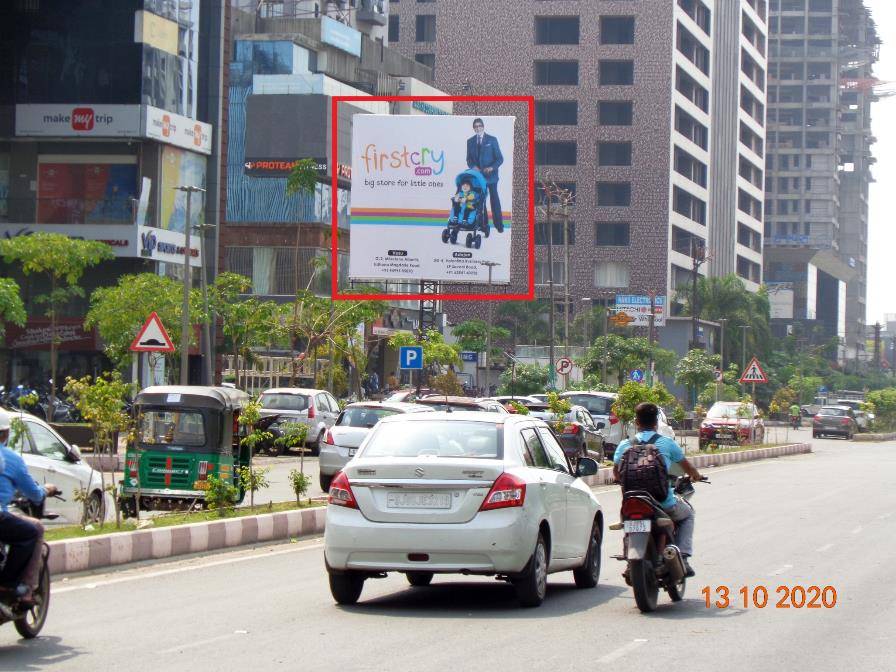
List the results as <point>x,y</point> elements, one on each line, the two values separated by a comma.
<point>595,405</point>
<point>171,428</point>
<point>436,438</point>
<point>442,406</point>
<point>363,417</point>
<point>278,401</point>
<point>832,411</point>
<point>732,411</point>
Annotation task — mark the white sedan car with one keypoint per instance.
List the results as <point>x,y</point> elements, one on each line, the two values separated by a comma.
<point>462,493</point>
<point>50,459</point>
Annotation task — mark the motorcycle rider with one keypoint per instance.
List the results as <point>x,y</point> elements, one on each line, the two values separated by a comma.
<point>794,415</point>
<point>679,510</point>
<point>24,535</point>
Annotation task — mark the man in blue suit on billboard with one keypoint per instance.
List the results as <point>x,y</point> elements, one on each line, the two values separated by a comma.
<point>484,154</point>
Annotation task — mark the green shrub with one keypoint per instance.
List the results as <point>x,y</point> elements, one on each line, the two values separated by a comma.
<point>221,494</point>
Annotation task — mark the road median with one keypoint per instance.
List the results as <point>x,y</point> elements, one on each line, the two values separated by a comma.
<point>887,436</point>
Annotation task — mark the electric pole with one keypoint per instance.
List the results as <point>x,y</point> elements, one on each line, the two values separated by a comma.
<point>488,333</point>
<point>188,281</point>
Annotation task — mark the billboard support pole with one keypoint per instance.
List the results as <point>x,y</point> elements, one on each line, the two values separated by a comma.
<point>550,224</point>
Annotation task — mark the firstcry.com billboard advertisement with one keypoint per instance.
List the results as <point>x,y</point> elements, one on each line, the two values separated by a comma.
<point>431,197</point>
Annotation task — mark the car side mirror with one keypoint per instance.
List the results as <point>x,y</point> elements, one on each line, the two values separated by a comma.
<point>586,467</point>
<point>601,425</point>
<point>74,454</point>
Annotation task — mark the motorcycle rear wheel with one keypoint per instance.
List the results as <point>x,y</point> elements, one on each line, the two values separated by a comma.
<point>676,591</point>
<point>643,578</point>
<point>32,622</point>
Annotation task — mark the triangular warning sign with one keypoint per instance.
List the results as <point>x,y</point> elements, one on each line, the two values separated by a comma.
<point>152,337</point>
<point>753,373</point>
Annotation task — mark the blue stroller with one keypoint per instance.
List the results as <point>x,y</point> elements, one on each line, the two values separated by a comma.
<point>469,215</point>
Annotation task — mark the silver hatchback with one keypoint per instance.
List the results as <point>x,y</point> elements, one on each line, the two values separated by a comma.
<point>351,428</point>
<point>318,409</point>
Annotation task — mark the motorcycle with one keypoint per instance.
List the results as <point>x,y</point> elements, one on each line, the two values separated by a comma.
<point>29,619</point>
<point>795,422</point>
<point>653,560</point>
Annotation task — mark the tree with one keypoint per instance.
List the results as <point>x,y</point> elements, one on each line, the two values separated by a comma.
<point>525,320</point>
<point>625,354</point>
<point>12,308</point>
<point>472,335</point>
<point>631,394</point>
<point>883,404</point>
<point>302,179</point>
<point>524,379</point>
<point>63,261</point>
<point>245,322</point>
<point>447,383</point>
<point>436,353</point>
<point>696,370</point>
<point>806,387</point>
<point>118,312</point>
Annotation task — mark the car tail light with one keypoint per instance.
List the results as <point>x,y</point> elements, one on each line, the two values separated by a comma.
<point>613,418</point>
<point>203,471</point>
<point>844,421</point>
<point>329,439</point>
<point>341,492</point>
<point>507,491</point>
<point>132,467</point>
<point>816,418</point>
<point>311,411</point>
<point>571,429</point>
<point>636,508</point>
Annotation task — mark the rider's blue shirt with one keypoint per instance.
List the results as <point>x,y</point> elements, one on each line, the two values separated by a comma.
<point>670,451</point>
<point>15,477</point>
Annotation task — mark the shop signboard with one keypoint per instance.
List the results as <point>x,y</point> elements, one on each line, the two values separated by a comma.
<point>78,120</point>
<point>176,129</point>
<point>341,36</point>
<point>167,246</point>
<point>638,307</point>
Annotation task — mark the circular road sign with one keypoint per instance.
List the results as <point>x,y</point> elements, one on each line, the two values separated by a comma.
<point>563,365</point>
<point>637,375</point>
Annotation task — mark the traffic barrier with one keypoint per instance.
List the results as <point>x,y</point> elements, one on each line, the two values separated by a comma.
<point>106,550</point>
<point>888,436</point>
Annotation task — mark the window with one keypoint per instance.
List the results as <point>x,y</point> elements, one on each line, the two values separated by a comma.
<point>556,30</point>
<point>611,234</point>
<point>556,113</point>
<point>698,12</point>
<point>690,167</point>
<point>686,243</point>
<point>751,140</point>
<point>617,30</point>
<point>564,186</point>
<point>690,128</point>
<point>695,52</point>
<point>537,455</point>
<point>614,153</point>
<point>555,153</point>
<point>46,443</point>
<point>614,194</point>
<point>748,270</point>
<point>688,205</point>
<point>428,60</point>
<point>436,439</point>
<point>393,28</point>
<point>556,73</point>
<point>167,428</point>
<point>542,272</point>
<point>554,451</point>
<point>749,205</point>
<point>426,28</point>
<point>615,112</point>
<point>690,89</point>
<point>611,274</point>
<point>543,234</point>
<point>616,73</point>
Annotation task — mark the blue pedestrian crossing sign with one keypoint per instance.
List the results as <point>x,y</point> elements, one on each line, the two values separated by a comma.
<point>637,375</point>
<point>410,357</point>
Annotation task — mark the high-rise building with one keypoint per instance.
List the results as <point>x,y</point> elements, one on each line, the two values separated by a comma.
<point>821,87</point>
<point>105,108</point>
<point>651,113</point>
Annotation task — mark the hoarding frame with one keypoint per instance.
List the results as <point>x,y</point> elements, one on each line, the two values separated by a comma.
<point>334,245</point>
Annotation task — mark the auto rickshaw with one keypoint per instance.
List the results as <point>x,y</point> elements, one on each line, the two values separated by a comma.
<point>183,436</point>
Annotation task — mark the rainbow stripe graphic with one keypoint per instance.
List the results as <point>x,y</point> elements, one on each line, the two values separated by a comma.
<point>404,217</point>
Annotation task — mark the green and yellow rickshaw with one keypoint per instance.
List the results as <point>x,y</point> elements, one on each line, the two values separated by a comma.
<point>183,436</point>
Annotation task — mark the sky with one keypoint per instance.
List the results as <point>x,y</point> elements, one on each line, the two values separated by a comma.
<point>881,297</point>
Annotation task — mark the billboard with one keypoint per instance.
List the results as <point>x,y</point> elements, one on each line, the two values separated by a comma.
<point>780,299</point>
<point>181,168</point>
<point>431,198</point>
<point>83,190</point>
<point>78,120</point>
<point>638,307</point>
<point>176,129</point>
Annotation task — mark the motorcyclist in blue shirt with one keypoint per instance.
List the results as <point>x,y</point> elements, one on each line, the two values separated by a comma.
<point>23,534</point>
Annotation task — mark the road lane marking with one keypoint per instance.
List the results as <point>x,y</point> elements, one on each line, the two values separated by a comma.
<point>621,651</point>
<point>781,570</point>
<point>179,570</point>
<point>202,642</point>
<point>824,548</point>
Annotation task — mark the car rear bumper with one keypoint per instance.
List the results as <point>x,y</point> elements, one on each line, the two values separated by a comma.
<point>493,542</point>
<point>332,458</point>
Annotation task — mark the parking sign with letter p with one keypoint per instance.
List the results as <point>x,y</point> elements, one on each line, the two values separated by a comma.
<point>410,357</point>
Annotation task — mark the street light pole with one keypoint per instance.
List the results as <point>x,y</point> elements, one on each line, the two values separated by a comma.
<point>587,314</point>
<point>208,362</point>
<point>188,281</point>
<point>550,225</point>
<point>723,321</point>
<point>603,364</point>
<point>488,333</point>
<point>743,354</point>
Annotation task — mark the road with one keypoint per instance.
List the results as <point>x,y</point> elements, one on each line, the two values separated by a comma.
<point>821,519</point>
<point>280,489</point>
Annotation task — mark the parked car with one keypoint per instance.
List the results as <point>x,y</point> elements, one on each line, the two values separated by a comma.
<point>834,420</point>
<point>441,402</point>
<point>318,409</point>
<point>50,459</point>
<point>540,397</point>
<point>506,399</point>
<point>599,405</point>
<point>580,434</point>
<point>863,417</point>
<point>731,422</point>
<point>351,428</point>
<point>408,395</point>
<point>448,493</point>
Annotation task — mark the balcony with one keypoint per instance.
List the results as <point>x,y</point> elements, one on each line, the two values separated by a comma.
<point>372,11</point>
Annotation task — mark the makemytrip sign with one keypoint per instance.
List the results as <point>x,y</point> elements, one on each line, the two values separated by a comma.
<point>167,246</point>
<point>638,308</point>
<point>94,121</point>
<point>177,130</point>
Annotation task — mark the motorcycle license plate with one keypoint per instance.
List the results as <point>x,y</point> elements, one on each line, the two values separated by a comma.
<point>636,526</point>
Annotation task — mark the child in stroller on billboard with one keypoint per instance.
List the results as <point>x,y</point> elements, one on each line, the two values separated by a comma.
<point>468,211</point>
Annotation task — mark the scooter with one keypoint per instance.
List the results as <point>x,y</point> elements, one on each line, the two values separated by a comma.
<point>653,560</point>
<point>29,619</point>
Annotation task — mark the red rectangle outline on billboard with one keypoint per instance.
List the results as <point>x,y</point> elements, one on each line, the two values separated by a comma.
<point>334,287</point>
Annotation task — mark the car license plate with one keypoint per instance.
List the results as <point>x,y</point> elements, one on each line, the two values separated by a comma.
<point>724,435</point>
<point>352,451</point>
<point>636,526</point>
<point>200,485</point>
<point>418,500</point>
